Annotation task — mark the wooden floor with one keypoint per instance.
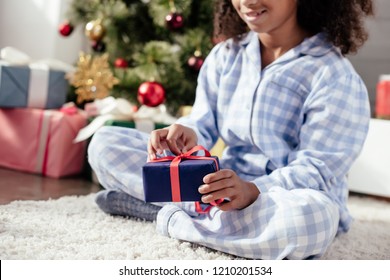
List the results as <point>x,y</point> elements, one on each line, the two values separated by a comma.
<point>16,185</point>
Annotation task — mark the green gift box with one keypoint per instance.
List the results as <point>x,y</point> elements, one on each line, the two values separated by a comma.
<point>142,125</point>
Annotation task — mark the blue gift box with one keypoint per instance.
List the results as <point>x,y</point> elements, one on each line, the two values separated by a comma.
<point>14,88</point>
<point>157,180</point>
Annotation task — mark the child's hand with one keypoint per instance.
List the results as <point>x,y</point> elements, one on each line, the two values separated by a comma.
<point>225,183</point>
<point>177,138</point>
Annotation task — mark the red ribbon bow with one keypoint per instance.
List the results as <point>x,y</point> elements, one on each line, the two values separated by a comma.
<point>175,177</point>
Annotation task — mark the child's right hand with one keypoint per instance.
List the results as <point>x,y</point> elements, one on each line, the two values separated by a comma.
<point>177,138</point>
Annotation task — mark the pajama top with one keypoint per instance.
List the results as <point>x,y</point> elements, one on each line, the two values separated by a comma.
<point>298,123</point>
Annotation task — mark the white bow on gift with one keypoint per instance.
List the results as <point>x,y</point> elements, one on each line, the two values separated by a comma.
<point>39,75</point>
<point>111,108</point>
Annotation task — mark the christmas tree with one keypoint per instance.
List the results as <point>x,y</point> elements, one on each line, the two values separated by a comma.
<point>155,48</point>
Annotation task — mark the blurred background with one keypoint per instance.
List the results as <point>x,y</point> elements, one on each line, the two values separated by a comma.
<point>32,27</point>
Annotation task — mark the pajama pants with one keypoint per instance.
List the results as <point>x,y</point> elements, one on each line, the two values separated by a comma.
<point>292,224</point>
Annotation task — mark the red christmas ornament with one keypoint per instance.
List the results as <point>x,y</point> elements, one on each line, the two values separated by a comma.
<point>65,28</point>
<point>174,21</point>
<point>195,62</point>
<point>121,63</point>
<point>98,46</point>
<point>151,94</point>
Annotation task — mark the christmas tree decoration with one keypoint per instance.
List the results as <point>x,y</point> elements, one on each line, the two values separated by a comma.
<point>151,94</point>
<point>98,46</point>
<point>174,20</point>
<point>138,32</point>
<point>195,61</point>
<point>93,78</point>
<point>121,63</point>
<point>65,28</point>
<point>94,30</point>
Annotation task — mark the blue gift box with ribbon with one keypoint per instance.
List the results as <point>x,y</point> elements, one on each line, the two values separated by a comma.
<point>177,178</point>
<point>32,86</point>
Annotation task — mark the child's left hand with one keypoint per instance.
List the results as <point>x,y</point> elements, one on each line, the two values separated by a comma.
<point>225,184</point>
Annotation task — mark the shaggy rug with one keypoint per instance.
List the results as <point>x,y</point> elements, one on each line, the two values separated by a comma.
<point>73,228</point>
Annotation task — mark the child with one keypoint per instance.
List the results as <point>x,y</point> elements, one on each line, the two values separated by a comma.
<point>293,114</point>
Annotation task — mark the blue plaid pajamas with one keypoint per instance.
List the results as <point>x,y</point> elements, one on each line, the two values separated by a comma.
<point>293,128</point>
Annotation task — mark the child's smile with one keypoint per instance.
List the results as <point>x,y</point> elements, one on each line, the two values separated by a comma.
<point>254,16</point>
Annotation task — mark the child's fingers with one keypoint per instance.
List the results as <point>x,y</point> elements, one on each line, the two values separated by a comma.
<point>188,146</point>
<point>217,195</point>
<point>154,143</point>
<point>218,175</point>
<point>217,181</point>
<point>173,147</point>
<point>226,206</point>
<point>173,139</point>
<point>151,151</point>
<point>213,187</point>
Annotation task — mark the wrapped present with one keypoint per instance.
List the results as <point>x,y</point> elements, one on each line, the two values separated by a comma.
<point>22,86</point>
<point>41,141</point>
<point>31,84</point>
<point>177,178</point>
<point>120,112</point>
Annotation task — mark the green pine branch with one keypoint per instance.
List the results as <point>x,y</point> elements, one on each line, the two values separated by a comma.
<point>136,31</point>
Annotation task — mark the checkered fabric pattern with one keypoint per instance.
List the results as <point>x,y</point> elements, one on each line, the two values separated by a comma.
<point>293,128</point>
<point>295,224</point>
<point>298,123</point>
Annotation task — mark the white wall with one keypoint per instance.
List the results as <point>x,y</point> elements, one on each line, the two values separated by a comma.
<point>32,27</point>
<point>374,57</point>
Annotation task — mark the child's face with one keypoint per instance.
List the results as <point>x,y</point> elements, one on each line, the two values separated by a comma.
<point>267,16</point>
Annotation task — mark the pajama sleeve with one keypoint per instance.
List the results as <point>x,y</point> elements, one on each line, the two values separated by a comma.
<point>203,114</point>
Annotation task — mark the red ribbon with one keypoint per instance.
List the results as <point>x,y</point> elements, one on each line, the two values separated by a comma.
<point>175,177</point>
<point>69,109</point>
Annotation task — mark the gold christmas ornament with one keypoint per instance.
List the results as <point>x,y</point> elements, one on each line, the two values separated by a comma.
<point>93,78</point>
<point>95,30</point>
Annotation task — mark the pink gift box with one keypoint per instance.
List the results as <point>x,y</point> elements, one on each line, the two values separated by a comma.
<point>41,141</point>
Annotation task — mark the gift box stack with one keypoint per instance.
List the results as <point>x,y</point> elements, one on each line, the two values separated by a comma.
<point>37,128</point>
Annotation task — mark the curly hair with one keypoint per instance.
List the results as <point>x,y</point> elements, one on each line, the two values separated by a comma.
<point>341,20</point>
